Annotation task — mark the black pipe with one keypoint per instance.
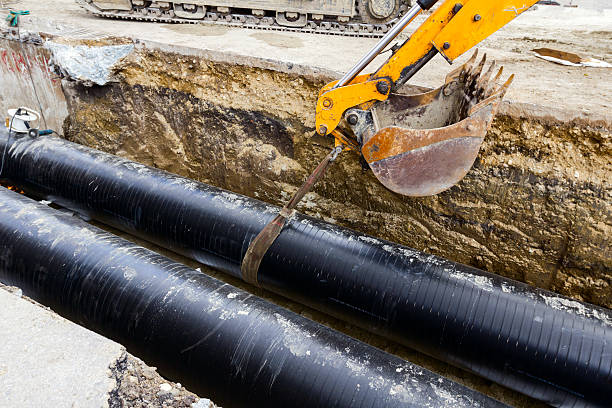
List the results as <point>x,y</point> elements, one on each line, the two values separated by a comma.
<point>225,343</point>
<point>533,341</point>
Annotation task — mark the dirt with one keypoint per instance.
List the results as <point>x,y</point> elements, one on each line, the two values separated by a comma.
<point>93,42</point>
<point>535,207</point>
<point>140,386</point>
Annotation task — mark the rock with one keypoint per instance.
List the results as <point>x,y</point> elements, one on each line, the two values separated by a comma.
<point>149,373</point>
<point>203,403</point>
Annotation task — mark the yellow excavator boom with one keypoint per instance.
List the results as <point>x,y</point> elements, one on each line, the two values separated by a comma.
<point>415,145</point>
<point>422,156</point>
<point>452,29</point>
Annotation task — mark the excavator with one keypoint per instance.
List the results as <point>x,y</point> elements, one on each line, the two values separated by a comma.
<point>357,18</point>
<point>423,144</point>
<point>415,144</point>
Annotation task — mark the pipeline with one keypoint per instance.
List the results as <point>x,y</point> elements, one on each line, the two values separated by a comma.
<point>222,341</point>
<point>533,341</point>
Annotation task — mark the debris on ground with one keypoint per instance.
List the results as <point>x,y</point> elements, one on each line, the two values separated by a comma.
<point>141,386</point>
<point>569,58</point>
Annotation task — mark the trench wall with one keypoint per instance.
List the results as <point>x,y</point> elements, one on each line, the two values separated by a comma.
<point>536,207</point>
<point>21,65</point>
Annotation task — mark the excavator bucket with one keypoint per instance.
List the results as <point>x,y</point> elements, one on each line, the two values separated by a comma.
<point>428,142</point>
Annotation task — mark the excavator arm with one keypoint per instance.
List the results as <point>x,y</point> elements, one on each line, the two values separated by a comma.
<point>434,153</point>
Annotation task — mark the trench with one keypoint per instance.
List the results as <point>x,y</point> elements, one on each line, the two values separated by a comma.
<point>249,130</point>
<point>534,208</point>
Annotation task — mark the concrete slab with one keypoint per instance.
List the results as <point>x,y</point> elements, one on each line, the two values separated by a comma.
<point>48,361</point>
<point>583,91</point>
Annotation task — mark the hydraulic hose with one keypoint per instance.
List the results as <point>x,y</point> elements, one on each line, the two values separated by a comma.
<point>223,342</point>
<point>536,342</point>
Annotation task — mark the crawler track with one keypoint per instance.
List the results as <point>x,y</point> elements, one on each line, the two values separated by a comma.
<point>245,21</point>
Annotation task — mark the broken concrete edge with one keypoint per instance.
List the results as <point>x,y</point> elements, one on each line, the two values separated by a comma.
<point>40,37</point>
<point>547,115</point>
<point>128,380</point>
<point>553,115</point>
<point>90,65</point>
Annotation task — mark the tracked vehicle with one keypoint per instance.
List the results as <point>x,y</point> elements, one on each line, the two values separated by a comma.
<point>363,18</point>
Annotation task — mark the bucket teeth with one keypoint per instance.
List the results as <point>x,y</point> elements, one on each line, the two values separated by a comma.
<point>476,71</point>
<point>495,83</point>
<point>504,88</point>
<point>463,69</point>
<point>470,63</point>
<point>472,83</point>
<point>483,81</point>
<point>499,74</point>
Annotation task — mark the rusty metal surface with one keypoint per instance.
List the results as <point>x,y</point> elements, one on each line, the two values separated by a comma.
<point>427,142</point>
<point>426,162</point>
<point>433,109</point>
<point>393,140</point>
<point>430,169</point>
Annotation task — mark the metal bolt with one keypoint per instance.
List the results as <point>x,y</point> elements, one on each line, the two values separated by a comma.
<point>382,87</point>
<point>446,45</point>
<point>477,17</point>
<point>457,7</point>
<point>450,88</point>
<point>327,103</point>
<point>322,130</point>
<point>352,119</point>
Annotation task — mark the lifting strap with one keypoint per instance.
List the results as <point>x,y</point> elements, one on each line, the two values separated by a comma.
<point>263,241</point>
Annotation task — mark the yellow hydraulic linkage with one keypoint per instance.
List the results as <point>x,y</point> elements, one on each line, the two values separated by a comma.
<point>416,145</point>
<point>455,27</point>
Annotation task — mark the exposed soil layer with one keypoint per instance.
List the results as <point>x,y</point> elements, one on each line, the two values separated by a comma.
<point>140,386</point>
<point>536,207</point>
